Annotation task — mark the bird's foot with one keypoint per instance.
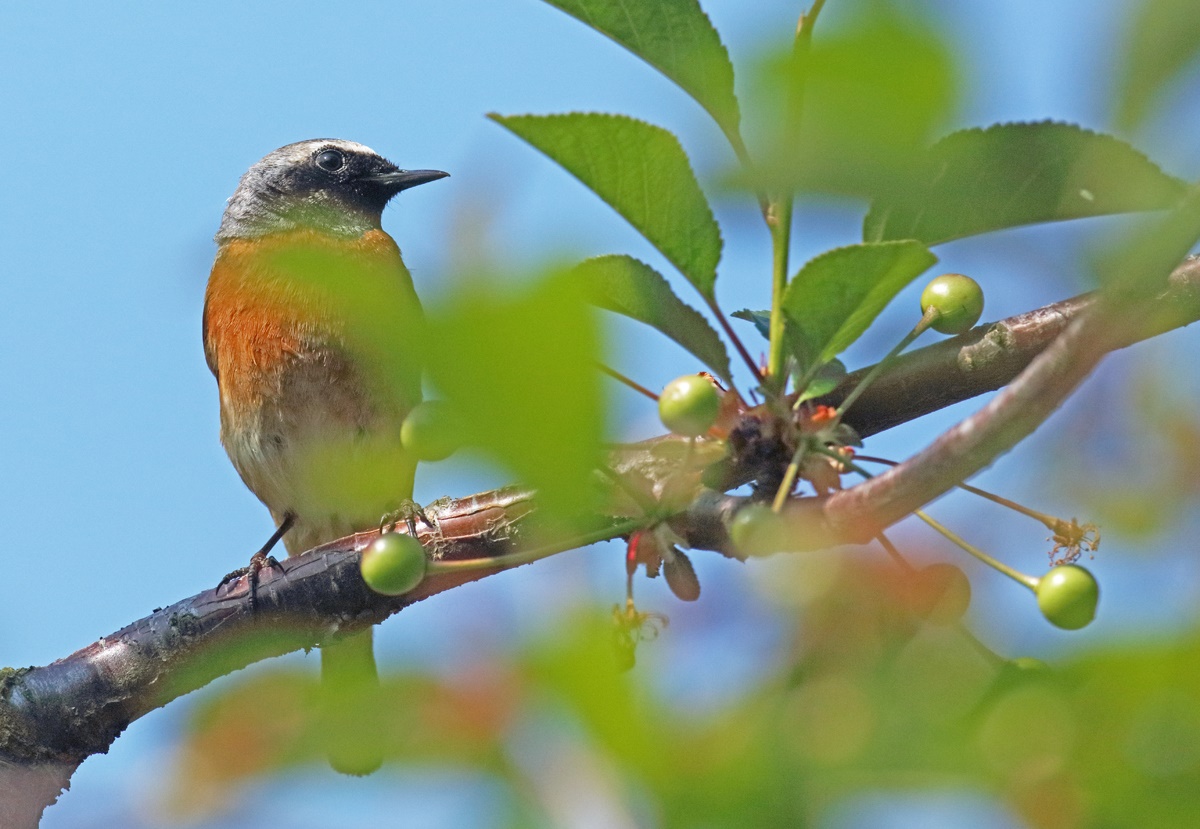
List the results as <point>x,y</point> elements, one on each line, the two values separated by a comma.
<point>258,561</point>
<point>408,512</point>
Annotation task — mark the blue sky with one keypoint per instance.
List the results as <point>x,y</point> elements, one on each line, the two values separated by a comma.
<point>125,128</point>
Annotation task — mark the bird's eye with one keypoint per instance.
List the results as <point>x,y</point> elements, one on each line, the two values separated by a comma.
<point>330,161</point>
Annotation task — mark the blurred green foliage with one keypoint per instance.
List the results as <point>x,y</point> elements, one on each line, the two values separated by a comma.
<point>517,363</point>
<point>875,92</point>
<point>1163,43</point>
<point>866,696</point>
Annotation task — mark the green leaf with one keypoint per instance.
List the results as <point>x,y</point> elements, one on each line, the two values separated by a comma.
<point>627,286</point>
<point>761,320</point>
<point>1164,40</point>
<point>836,296</point>
<point>1136,268</point>
<point>827,378</point>
<point>643,173</point>
<point>877,92</point>
<point>518,364</point>
<point>676,38</point>
<point>980,180</point>
<point>574,665</point>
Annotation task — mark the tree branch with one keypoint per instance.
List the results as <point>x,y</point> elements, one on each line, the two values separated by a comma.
<point>57,715</point>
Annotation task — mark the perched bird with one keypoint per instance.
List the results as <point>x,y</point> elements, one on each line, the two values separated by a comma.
<point>313,331</point>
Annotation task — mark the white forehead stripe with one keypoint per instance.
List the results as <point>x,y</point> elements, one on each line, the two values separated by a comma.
<point>300,151</point>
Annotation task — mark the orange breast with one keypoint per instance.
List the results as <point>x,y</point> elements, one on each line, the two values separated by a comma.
<point>286,294</point>
<point>315,342</point>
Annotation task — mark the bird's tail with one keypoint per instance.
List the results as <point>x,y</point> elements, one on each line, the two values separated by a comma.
<point>352,704</point>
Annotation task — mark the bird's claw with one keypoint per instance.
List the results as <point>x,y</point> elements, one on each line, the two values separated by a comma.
<point>408,512</point>
<point>258,562</point>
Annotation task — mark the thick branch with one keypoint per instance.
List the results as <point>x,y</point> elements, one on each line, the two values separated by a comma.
<point>1093,330</point>
<point>990,356</point>
<point>63,712</point>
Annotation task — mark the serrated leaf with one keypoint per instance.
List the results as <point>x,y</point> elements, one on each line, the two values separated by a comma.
<point>827,378</point>
<point>877,91</point>
<point>517,363</point>
<point>1163,42</point>
<point>676,38</point>
<point>627,286</point>
<point>836,296</point>
<point>643,173</point>
<point>980,180</point>
<point>760,319</point>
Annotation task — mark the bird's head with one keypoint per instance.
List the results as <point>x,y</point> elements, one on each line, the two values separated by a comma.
<point>327,184</point>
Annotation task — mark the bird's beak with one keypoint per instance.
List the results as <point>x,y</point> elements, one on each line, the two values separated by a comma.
<point>404,179</point>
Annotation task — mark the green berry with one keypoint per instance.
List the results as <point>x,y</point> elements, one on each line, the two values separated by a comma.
<point>958,299</point>
<point>689,405</point>
<point>1067,596</point>
<point>394,564</point>
<point>430,432</point>
<point>943,594</point>
<point>756,529</point>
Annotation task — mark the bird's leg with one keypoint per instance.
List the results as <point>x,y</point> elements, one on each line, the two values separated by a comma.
<point>261,559</point>
<point>408,512</point>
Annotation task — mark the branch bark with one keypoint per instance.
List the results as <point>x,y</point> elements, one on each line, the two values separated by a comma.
<point>53,717</point>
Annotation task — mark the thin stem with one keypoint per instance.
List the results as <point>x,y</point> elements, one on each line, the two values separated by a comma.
<point>802,383</point>
<point>794,111</point>
<point>780,222</point>
<point>807,21</point>
<point>842,459</point>
<point>621,378</point>
<point>983,650</point>
<point>537,553</point>
<point>779,214</point>
<point>927,319</point>
<point>647,504</point>
<point>1049,520</point>
<point>736,340</point>
<point>743,156</point>
<point>789,477</point>
<point>892,551</point>
<point>1015,575</point>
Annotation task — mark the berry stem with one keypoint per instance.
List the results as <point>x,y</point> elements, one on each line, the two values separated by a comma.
<point>621,378</point>
<point>1053,524</point>
<point>983,650</point>
<point>737,343</point>
<point>537,553</point>
<point>647,504</point>
<point>927,319</point>
<point>1050,521</point>
<point>789,477</point>
<point>1015,575</point>
<point>895,554</point>
<point>779,220</point>
<point>779,212</point>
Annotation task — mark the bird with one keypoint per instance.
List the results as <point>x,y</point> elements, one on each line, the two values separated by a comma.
<point>314,333</point>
